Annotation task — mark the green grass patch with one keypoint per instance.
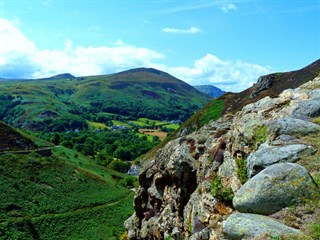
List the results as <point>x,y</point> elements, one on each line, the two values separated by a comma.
<point>219,192</point>
<point>96,125</point>
<point>172,126</point>
<point>119,123</point>
<point>260,136</point>
<point>64,196</point>
<point>242,169</point>
<point>149,137</point>
<point>212,111</point>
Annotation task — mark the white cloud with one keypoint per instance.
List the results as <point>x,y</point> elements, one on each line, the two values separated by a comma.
<point>191,30</point>
<point>233,76</point>
<point>228,6</point>
<point>20,58</point>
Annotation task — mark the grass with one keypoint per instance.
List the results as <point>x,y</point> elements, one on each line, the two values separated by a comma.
<point>212,111</point>
<point>260,136</point>
<point>242,169</point>
<point>96,125</point>
<point>64,196</point>
<point>220,192</point>
<point>119,123</point>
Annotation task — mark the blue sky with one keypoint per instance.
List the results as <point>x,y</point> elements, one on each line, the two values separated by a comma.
<point>225,43</point>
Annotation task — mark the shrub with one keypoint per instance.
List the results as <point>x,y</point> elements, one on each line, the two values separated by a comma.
<point>219,192</point>
<point>242,169</point>
<point>260,136</point>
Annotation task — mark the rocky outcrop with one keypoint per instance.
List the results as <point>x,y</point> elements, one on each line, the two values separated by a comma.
<point>244,225</point>
<point>263,83</point>
<point>278,186</point>
<point>187,190</point>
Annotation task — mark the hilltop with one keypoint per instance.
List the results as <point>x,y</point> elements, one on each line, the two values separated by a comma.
<point>65,102</point>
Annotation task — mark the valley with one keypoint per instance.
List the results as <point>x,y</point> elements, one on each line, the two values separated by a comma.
<point>64,164</point>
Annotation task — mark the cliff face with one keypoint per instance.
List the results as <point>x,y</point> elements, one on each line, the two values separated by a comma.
<point>234,176</point>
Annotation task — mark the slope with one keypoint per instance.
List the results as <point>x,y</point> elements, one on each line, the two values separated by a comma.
<point>251,175</point>
<point>270,85</point>
<point>63,102</point>
<point>61,196</point>
<point>11,140</point>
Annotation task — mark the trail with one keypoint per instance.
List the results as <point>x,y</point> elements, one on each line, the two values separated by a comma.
<point>38,150</point>
<point>78,211</point>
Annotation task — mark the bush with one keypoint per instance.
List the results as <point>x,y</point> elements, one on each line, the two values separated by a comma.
<point>129,181</point>
<point>242,169</point>
<point>219,192</point>
<point>119,166</point>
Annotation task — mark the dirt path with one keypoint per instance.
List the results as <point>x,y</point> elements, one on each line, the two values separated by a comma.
<point>81,210</point>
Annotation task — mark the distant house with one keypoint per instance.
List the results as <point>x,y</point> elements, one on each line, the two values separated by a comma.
<point>118,128</point>
<point>134,170</point>
<point>176,121</point>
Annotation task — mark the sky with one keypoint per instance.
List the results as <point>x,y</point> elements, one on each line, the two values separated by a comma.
<point>228,44</point>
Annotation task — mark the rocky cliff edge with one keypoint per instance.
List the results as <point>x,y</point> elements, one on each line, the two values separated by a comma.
<point>251,175</point>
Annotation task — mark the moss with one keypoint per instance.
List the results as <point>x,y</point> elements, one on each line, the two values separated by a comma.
<point>242,169</point>
<point>219,192</point>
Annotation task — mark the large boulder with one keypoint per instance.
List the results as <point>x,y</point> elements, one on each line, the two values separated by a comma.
<point>291,126</point>
<point>309,108</point>
<point>265,156</point>
<point>278,186</point>
<point>246,225</point>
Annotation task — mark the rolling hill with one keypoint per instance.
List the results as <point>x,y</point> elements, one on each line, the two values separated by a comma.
<point>64,102</point>
<point>62,195</point>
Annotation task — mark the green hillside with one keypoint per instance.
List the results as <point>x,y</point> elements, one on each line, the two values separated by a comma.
<point>61,103</point>
<point>61,195</point>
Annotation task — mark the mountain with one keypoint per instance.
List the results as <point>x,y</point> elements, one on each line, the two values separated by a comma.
<point>64,102</point>
<point>210,90</point>
<point>57,195</point>
<point>253,173</point>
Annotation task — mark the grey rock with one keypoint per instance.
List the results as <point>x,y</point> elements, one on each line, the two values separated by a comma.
<point>245,225</point>
<point>269,155</point>
<point>203,234</point>
<point>291,126</point>
<point>309,108</point>
<point>278,186</point>
<point>285,140</point>
<point>263,83</point>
